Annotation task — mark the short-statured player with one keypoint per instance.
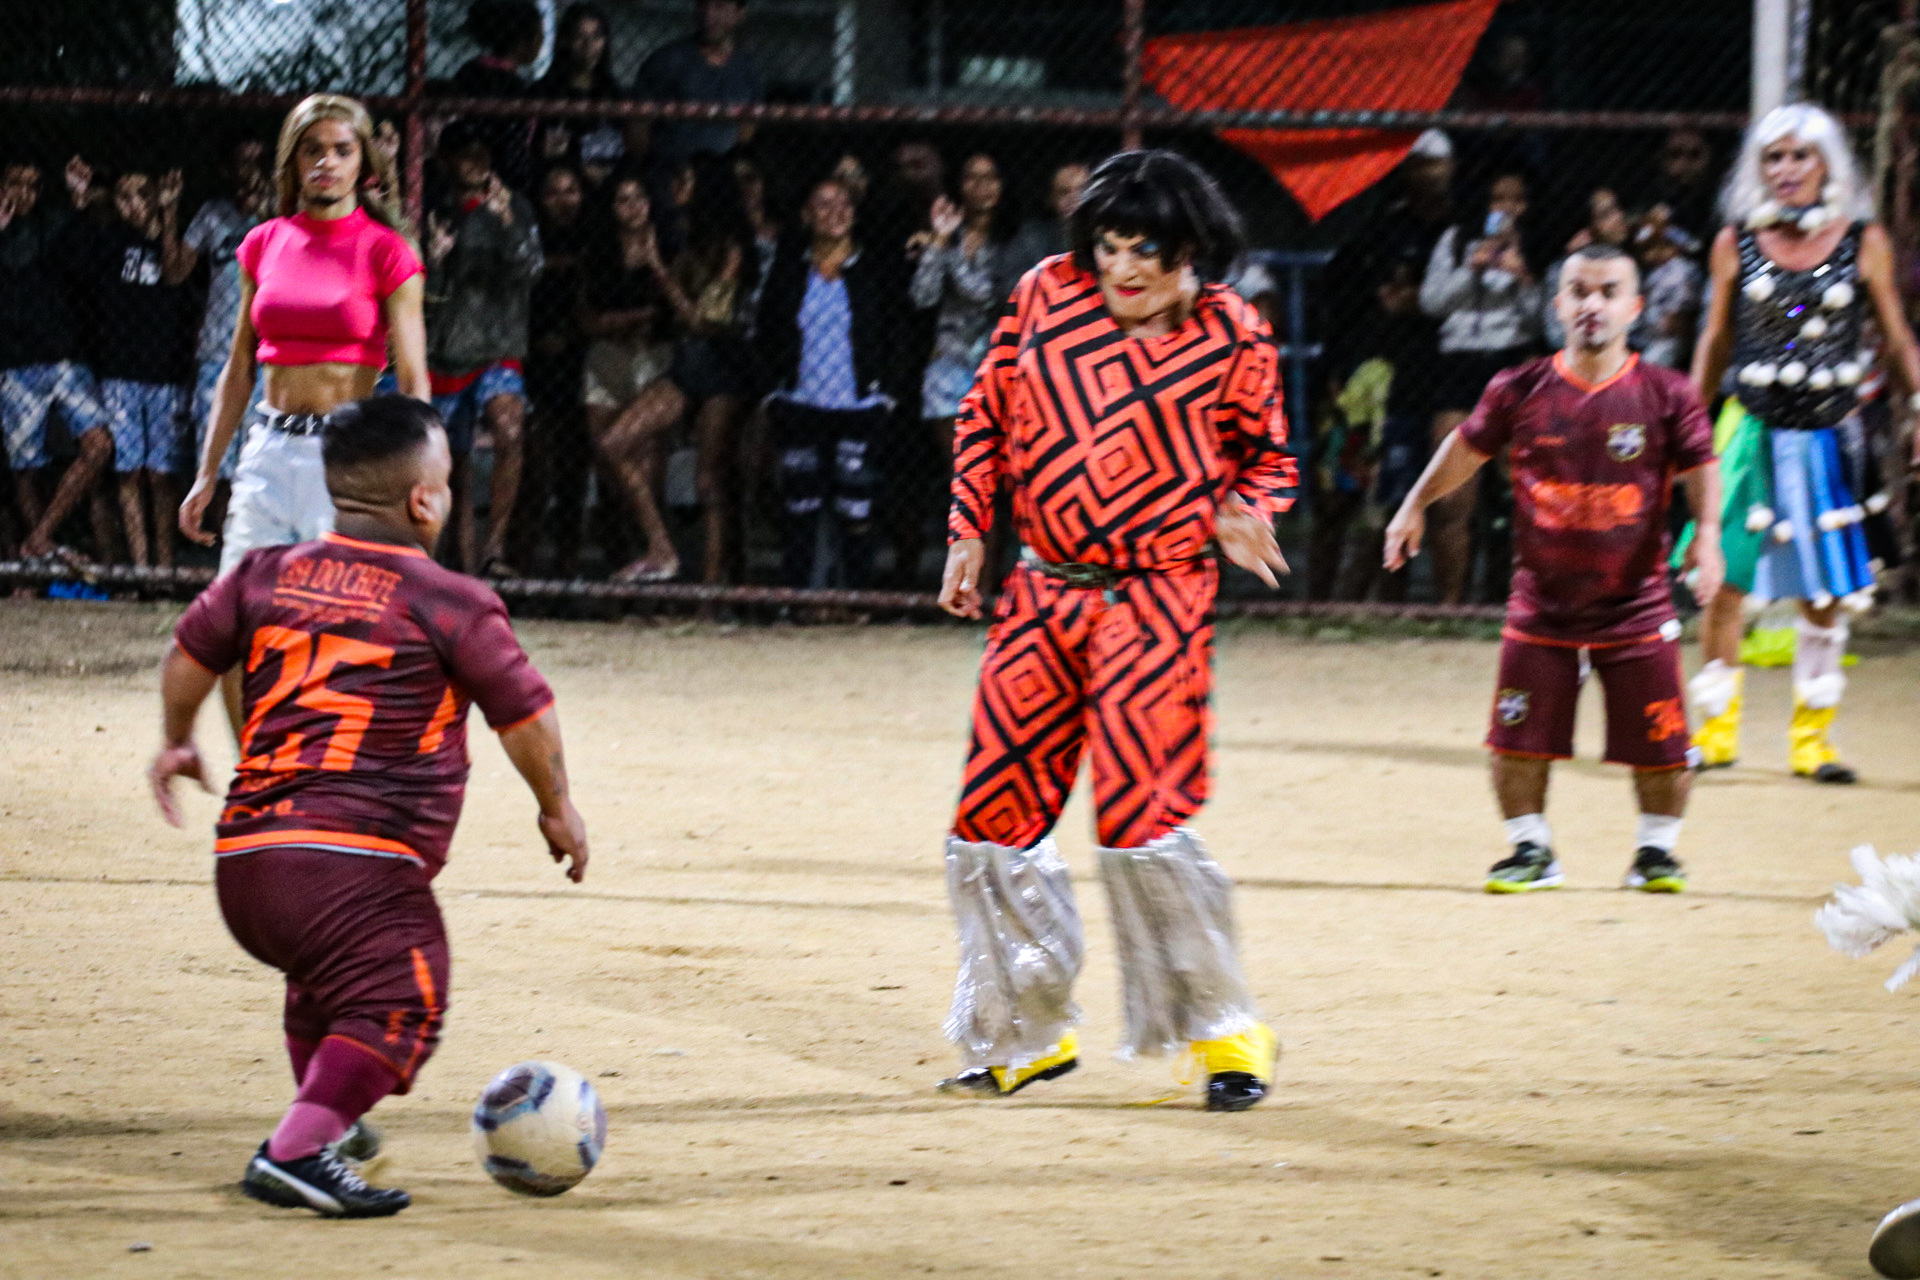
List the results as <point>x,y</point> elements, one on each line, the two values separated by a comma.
<point>1594,439</point>
<point>359,657</point>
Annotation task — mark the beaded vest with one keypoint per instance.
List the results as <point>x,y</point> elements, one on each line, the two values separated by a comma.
<point>1797,358</point>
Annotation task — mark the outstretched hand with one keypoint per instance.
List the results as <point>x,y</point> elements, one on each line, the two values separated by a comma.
<point>1246,539</point>
<point>566,837</point>
<point>182,761</point>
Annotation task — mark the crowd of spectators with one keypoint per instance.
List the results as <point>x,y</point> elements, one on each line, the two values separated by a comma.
<point>628,322</point>
<point>659,348</point>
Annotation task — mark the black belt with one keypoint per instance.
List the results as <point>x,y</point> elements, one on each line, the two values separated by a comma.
<point>296,424</point>
<point>1091,577</point>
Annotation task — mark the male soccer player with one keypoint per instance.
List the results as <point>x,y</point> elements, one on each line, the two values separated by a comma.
<point>1129,400</point>
<point>1594,438</point>
<point>360,658</point>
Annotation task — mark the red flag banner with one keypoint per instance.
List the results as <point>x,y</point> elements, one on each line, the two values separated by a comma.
<point>1395,60</point>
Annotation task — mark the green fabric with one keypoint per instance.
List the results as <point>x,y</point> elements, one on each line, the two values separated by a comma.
<point>1768,647</point>
<point>1774,647</point>
<point>1363,401</point>
<point>1746,482</point>
<point>1350,437</point>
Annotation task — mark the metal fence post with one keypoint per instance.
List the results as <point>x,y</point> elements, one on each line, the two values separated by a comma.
<point>1133,41</point>
<point>413,182</point>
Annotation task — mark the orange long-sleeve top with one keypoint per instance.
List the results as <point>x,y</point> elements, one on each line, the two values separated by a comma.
<point>1119,450</point>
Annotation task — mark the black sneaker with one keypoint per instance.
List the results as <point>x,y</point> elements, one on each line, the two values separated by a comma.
<point>1528,868</point>
<point>361,1142</point>
<point>323,1183</point>
<point>1656,871</point>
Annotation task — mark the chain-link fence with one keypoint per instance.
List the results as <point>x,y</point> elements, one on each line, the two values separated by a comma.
<point>618,205</point>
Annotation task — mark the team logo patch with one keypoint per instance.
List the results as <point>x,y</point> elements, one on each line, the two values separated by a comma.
<point>1626,440</point>
<point>1512,705</point>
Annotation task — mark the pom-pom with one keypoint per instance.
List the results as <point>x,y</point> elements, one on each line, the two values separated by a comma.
<point>1879,502</point>
<point>1759,519</point>
<point>1815,218</point>
<point>1822,600</point>
<point>1848,372</point>
<point>1759,289</point>
<point>1828,521</point>
<point>1885,904</point>
<point>1820,379</point>
<point>1792,373</point>
<point>1814,328</point>
<point>1821,692</point>
<point>1862,600</point>
<point>1714,688</point>
<point>1759,375</point>
<point>1783,532</point>
<point>1838,296</point>
<point>1764,214</point>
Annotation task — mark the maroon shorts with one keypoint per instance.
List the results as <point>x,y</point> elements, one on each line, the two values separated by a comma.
<point>359,938</point>
<point>1539,690</point>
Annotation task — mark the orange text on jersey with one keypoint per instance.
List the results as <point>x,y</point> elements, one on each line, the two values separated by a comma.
<point>343,579</point>
<point>1591,508</point>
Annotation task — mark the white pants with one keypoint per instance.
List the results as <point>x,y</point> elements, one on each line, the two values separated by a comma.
<point>279,495</point>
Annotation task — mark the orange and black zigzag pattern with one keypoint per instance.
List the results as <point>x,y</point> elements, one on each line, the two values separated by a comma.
<point>1124,677</point>
<point>1119,450</point>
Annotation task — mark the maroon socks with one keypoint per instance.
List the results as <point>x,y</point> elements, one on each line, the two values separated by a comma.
<point>341,1083</point>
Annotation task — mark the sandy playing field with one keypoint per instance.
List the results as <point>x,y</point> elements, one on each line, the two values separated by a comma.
<point>1588,1082</point>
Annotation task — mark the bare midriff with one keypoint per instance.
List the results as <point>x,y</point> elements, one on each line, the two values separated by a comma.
<point>316,388</point>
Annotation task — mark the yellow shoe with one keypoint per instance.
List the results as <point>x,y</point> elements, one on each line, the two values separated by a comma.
<point>1239,1068</point>
<point>1809,751</point>
<point>1717,691</point>
<point>998,1082</point>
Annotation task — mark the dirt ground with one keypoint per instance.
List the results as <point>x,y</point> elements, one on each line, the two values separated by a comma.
<point>1587,1083</point>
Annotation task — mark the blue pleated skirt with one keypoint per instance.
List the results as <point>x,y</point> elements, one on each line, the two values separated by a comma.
<point>1824,552</point>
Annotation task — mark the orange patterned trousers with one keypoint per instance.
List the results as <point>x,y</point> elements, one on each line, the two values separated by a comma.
<point>1123,675</point>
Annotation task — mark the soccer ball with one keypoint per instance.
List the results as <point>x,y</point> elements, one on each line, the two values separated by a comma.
<point>539,1128</point>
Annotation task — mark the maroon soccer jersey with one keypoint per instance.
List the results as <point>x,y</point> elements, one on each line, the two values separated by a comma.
<point>1119,449</point>
<point>1593,469</point>
<point>360,662</point>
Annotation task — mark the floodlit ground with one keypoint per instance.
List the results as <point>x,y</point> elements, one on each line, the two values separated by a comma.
<point>1584,1083</point>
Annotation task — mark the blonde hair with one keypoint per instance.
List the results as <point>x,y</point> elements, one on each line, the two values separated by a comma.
<point>1746,191</point>
<point>378,186</point>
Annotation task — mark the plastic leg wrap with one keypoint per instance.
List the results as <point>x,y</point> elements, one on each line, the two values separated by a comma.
<point>1818,655</point>
<point>1021,946</point>
<point>1180,977</point>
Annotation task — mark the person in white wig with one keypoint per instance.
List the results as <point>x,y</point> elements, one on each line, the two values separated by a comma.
<point>1797,271</point>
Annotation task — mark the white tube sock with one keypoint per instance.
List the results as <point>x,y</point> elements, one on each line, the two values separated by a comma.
<point>1530,828</point>
<point>1657,831</point>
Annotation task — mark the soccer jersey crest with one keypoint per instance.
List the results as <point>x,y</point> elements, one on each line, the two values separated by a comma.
<point>1512,705</point>
<point>1626,440</point>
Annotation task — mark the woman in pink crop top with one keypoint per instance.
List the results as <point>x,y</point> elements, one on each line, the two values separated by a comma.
<point>326,289</point>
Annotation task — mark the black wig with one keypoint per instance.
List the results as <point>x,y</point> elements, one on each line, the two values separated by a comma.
<point>1167,199</point>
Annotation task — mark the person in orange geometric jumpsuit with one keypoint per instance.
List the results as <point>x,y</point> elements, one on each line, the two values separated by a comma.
<point>1131,404</point>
